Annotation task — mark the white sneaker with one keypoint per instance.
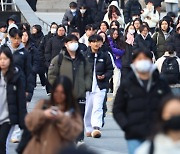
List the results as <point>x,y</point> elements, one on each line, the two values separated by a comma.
<point>80,143</point>
<point>43,87</point>
<point>48,94</point>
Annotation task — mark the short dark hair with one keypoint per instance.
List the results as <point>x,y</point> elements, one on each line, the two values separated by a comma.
<point>70,37</point>
<point>73,5</point>
<point>59,26</point>
<point>146,53</point>
<point>142,27</point>
<point>75,31</point>
<point>171,14</point>
<point>95,38</point>
<point>54,23</point>
<point>104,22</point>
<point>89,27</point>
<point>14,31</point>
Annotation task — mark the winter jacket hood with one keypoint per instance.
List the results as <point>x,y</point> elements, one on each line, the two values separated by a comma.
<point>21,46</point>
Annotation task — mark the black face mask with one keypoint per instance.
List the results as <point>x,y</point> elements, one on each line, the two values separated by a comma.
<point>172,124</point>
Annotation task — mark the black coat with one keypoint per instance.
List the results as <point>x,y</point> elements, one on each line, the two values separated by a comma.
<point>132,7</point>
<point>103,67</point>
<point>16,99</point>
<point>54,46</point>
<point>34,57</point>
<point>146,45</point>
<point>37,38</point>
<point>97,10</point>
<point>80,21</point>
<point>42,47</point>
<point>135,109</point>
<point>22,60</point>
<point>174,40</point>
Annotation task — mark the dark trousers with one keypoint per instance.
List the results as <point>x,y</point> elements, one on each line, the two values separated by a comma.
<point>4,131</point>
<point>32,4</point>
<point>82,109</point>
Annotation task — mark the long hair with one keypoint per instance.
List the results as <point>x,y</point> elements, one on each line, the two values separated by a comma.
<point>5,50</point>
<point>65,82</point>
<point>126,31</point>
<point>106,38</point>
<point>119,40</point>
<point>29,37</point>
<point>112,9</point>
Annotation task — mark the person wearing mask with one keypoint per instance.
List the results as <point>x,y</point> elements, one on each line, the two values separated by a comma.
<point>102,71</point>
<point>172,6</point>
<point>144,41</point>
<point>132,10</point>
<point>82,46</point>
<point>151,16</point>
<point>3,28</point>
<point>42,47</point>
<point>13,19</point>
<point>137,100</point>
<point>126,59</point>
<point>71,63</point>
<point>137,24</point>
<point>174,41</point>
<point>104,27</point>
<point>167,137</point>
<point>97,9</point>
<point>37,35</point>
<point>13,100</point>
<point>160,38</point>
<point>114,14</point>
<point>118,48</point>
<point>169,67</point>
<point>89,31</point>
<point>54,123</point>
<point>82,19</point>
<point>55,44</point>
<point>69,15</point>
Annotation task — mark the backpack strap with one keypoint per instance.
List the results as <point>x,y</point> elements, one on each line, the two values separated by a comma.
<point>60,59</point>
<point>151,148</point>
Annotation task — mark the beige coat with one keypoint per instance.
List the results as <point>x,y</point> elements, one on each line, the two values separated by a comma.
<point>50,136</point>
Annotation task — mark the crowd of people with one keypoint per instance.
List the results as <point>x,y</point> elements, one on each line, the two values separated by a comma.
<point>98,48</point>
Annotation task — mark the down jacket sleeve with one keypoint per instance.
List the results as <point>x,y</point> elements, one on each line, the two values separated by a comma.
<point>119,108</point>
<point>53,70</point>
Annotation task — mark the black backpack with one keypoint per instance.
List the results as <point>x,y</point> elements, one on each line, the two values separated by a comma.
<point>170,70</point>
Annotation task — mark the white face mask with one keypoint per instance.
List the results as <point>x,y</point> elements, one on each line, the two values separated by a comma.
<point>143,66</point>
<point>53,30</point>
<point>73,46</point>
<point>82,11</point>
<point>73,10</point>
<point>131,31</point>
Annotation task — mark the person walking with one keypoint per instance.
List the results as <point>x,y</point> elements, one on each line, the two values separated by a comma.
<point>138,98</point>
<point>167,137</point>
<point>102,71</point>
<point>57,119</point>
<point>13,99</point>
<point>71,63</point>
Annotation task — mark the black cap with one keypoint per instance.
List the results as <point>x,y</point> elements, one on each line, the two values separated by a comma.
<point>2,24</point>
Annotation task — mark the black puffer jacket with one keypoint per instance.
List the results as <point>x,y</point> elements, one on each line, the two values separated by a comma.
<point>135,109</point>
<point>54,46</point>
<point>37,38</point>
<point>174,40</point>
<point>22,61</point>
<point>34,57</point>
<point>103,67</point>
<point>80,21</point>
<point>97,10</point>
<point>132,7</point>
<point>146,45</point>
<point>43,45</point>
<point>16,99</point>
